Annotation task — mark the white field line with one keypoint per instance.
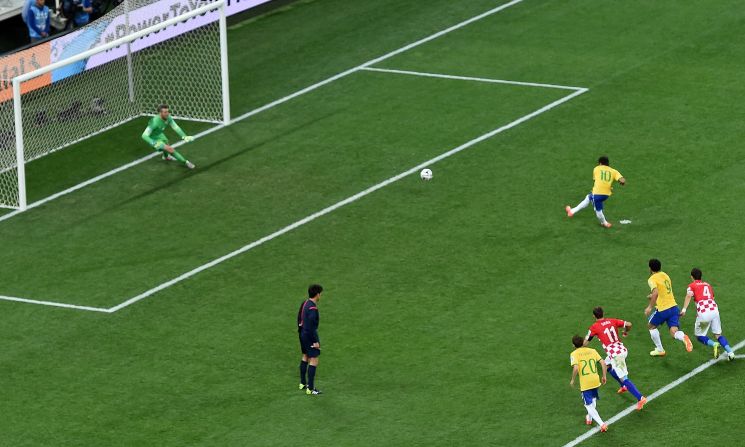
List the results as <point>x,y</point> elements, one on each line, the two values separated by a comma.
<point>54,304</point>
<point>699,369</point>
<point>273,104</point>
<point>469,78</point>
<point>344,202</point>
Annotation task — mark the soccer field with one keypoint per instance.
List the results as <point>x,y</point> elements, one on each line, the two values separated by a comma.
<point>167,298</point>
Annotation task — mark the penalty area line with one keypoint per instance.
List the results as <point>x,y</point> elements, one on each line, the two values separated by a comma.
<point>682,379</point>
<point>344,202</point>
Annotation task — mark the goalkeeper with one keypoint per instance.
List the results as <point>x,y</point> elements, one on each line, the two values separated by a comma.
<point>154,136</point>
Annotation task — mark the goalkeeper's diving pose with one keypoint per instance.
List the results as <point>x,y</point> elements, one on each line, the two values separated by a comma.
<point>156,138</point>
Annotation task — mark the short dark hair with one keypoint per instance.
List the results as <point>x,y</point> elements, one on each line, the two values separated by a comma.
<point>696,273</point>
<point>314,290</point>
<point>162,106</point>
<point>603,160</point>
<point>655,265</point>
<point>598,312</point>
<point>578,341</point>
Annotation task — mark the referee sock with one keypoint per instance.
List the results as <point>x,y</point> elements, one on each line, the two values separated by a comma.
<point>582,205</point>
<point>303,371</point>
<point>312,377</point>
<point>613,374</point>
<point>655,334</point>
<point>705,340</point>
<point>723,341</point>
<point>632,389</point>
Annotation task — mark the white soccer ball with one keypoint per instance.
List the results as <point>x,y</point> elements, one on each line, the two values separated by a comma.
<point>426,174</point>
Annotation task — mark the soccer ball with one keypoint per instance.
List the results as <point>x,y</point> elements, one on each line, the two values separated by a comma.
<point>426,174</point>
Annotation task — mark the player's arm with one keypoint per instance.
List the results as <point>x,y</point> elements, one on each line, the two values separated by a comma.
<point>312,322</point>
<point>626,328</point>
<point>652,301</point>
<point>602,364</point>
<point>575,370</point>
<point>146,136</point>
<point>180,131</point>
<point>689,295</point>
<point>620,178</point>
<point>588,338</point>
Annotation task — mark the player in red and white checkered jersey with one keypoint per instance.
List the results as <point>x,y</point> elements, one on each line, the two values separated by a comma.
<point>707,314</point>
<point>605,330</point>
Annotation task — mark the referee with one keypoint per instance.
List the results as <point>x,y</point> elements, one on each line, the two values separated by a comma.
<point>310,346</point>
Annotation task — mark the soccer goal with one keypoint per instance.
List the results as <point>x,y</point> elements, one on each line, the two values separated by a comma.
<point>120,67</point>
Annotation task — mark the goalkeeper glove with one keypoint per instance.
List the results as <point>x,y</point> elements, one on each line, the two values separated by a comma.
<point>188,138</point>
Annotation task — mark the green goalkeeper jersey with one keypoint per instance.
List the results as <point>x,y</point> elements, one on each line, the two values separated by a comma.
<point>155,131</point>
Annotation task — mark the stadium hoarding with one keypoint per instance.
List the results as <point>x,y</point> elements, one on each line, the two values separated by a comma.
<point>138,19</point>
<point>105,30</point>
<point>22,62</point>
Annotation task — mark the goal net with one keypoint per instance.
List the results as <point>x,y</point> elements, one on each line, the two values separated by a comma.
<point>120,67</point>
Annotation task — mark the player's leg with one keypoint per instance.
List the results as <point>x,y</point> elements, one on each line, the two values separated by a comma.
<point>313,354</point>
<point>701,329</point>
<point>674,324</point>
<point>716,328</point>
<point>612,371</point>
<point>582,205</point>
<point>303,365</point>
<point>312,365</point>
<point>654,333</point>
<point>177,155</point>
<point>599,203</point>
<point>590,398</point>
<point>619,365</point>
<point>169,153</point>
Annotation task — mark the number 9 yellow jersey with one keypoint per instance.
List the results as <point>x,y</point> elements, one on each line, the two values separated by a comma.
<point>586,360</point>
<point>665,297</point>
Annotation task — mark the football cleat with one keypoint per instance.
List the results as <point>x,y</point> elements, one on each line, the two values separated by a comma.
<point>717,350</point>
<point>640,404</point>
<point>656,353</point>
<point>604,428</point>
<point>190,165</point>
<point>588,420</point>
<point>622,390</point>
<point>606,224</point>
<point>301,386</point>
<point>730,356</point>
<point>167,157</point>
<point>314,392</point>
<point>568,209</point>
<point>689,345</point>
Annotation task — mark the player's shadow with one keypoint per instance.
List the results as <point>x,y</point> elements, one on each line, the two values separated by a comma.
<point>205,168</point>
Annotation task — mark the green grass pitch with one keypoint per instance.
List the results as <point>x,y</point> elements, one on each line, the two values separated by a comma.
<point>449,304</point>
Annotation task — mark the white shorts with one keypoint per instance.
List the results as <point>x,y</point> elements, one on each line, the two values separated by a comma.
<point>618,363</point>
<point>708,320</point>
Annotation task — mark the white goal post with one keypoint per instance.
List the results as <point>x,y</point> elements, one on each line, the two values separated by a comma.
<point>173,61</point>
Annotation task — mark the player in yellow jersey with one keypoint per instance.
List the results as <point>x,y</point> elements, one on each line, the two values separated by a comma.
<point>586,362</point>
<point>662,301</point>
<point>603,176</point>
